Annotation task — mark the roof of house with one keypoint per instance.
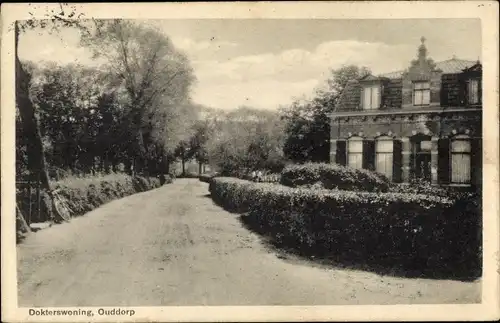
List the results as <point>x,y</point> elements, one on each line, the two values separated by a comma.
<point>450,66</point>
<point>350,97</point>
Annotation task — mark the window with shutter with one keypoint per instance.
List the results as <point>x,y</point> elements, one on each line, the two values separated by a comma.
<point>460,150</point>
<point>421,93</point>
<point>371,97</point>
<point>355,153</point>
<point>384,156</point>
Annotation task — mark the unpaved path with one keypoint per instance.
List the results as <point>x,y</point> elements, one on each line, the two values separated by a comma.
<point>173,246</point>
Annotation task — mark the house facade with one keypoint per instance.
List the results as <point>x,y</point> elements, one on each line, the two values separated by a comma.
<point>422,123</point>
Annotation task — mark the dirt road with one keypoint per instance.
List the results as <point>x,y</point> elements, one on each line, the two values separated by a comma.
<point>173,246</point>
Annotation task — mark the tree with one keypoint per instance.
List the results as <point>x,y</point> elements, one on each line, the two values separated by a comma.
<point>31,131</point>
<point>246,139</point>
<point>35,151</point>
<point>307,121</point>
<point>198,142</point>
<point>184,153</point>
<point>80,118</point>
<point>157,79</point>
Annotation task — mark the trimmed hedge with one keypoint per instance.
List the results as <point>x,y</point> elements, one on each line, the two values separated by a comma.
<point>205,178</point>
<point>395,228</point>
<point>84,198</point>
<point>435,190</point>
<point>188,175</point>
<point>334,176</point>
<point>85,194</point>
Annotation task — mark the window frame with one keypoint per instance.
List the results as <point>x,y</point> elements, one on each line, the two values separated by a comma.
<point>391,153</point>
<point>422,91</point>
<point>360,153</point>
<point>467,139</point>
<point>371,87</point>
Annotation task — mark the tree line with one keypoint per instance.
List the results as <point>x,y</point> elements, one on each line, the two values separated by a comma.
<point>247,139</point>
<point>133,113</point>
<point>129,112</point>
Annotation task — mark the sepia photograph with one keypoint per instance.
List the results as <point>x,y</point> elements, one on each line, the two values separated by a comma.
<point>246,161</point>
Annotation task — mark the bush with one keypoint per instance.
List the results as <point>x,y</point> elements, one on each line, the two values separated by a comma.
<point>165,179</point>
<point>407,229</point>
<point>205,178</point>
<point>82,195</point>
<point>426,188</point>
<point>188,175</point>
<point>334,176</point>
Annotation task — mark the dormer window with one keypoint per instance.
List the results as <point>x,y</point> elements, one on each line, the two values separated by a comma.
<point>473,91</point>
<point>371,97</point>
<point>421,93</point>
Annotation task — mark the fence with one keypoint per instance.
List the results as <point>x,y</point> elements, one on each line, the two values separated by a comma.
<point>29,201</point>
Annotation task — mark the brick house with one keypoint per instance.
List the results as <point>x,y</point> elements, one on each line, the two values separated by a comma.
<point>421,123</point>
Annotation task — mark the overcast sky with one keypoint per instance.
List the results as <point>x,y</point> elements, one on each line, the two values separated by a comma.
<point>265,63</point>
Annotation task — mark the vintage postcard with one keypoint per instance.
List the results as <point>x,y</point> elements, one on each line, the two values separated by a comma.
<point>250,161</point>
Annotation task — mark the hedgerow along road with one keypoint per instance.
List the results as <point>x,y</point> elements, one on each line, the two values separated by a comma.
<point>174,246</point>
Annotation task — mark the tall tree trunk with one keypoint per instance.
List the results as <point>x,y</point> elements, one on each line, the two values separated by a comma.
<point>200,164</point>
<point>35,150</point>
<point>21,223</point>
<point>183,162</point>
<point>139,150</point>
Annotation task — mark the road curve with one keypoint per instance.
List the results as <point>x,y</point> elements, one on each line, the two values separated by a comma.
<point>173,246</point>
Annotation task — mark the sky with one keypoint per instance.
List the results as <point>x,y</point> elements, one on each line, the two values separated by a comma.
<point>267,63</point>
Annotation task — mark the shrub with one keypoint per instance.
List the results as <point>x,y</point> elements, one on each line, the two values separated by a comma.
<point>140,184</point>
<point>168,179</point>
<point>366,226</point>
<point>82,195</point>
<point>205,178</point>
<point>334,176</point>
<point>188,175</point>
<point>426,188</point>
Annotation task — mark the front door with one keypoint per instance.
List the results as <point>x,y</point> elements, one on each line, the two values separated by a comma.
<point>422,160</point>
